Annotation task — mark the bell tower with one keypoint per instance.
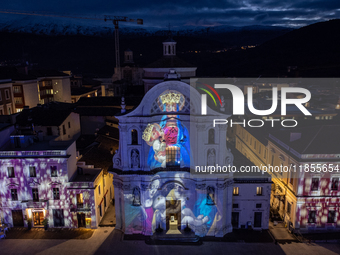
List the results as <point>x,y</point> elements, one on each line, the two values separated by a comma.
<point>169,46</point>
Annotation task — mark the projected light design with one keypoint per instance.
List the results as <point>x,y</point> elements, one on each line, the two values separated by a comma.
<point>172,194</point>
<point>44,181</point>
<point>169,140</point>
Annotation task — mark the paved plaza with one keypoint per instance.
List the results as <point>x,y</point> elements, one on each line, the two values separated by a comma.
<point>106,240</point>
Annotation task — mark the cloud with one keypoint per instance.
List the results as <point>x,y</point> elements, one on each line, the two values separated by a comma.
<point>190,12</point>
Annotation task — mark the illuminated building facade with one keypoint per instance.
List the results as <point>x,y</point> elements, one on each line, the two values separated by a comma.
<point>306,201</point>
<point>40,177</point>
<point>160,142</point>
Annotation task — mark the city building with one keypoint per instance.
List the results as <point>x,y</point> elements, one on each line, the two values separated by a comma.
<point>303,197</point>
<point>90,191</point>
<point>54,86</point>
<point>7,106</point>
<point>155,182</point>
<point>307,197</point>
<point>39,175</point>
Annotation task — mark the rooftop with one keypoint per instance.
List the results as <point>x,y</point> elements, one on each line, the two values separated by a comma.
<point>40,146</point>
<point>51,114</point>
<point>81,91</point>
<point>322,139</point>
<point>88,175</point>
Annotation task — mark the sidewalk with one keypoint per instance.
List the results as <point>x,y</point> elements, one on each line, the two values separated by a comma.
<point>51,233</point>
<point>109,218</point>
<point>331,237</point>
<point>280,233</point>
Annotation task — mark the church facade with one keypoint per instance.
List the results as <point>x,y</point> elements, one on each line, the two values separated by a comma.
<point>161,143</point>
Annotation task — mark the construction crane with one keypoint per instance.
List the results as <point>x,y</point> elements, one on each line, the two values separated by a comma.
<point>115,21</point>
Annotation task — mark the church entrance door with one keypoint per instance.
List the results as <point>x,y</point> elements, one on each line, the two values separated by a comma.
<point>173,208</point>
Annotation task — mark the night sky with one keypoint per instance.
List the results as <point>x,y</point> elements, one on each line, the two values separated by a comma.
<point>181,13</point>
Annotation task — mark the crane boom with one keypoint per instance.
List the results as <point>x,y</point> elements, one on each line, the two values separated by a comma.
<point>115,20</point>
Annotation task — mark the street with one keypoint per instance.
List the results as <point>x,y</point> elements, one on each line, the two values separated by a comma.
<point>109,241</point>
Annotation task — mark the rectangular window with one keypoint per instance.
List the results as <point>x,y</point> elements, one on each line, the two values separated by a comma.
<point>64,130</point>
<point>99,189</point>
<point>265,154</point>
<point>255,145</point>
<point>289,208</point>
<point>258,205</point>
<point>17,89</point>
<point>235,191</point>
<point>273,160</point>
<point>259,191</point>
<point>312,217</point>
<point>259,149</point>
<point>335,183</point>
<point>54,172</point>
<point>14,194</point>
<point>18,100</point>
<point>251,140</point>
<point>33,173</point>
<point>56,194</point>
<point>49,91</point>
<point>35,194</point>
<point>315,184</point>
<point>69,124</point>
<point>100,210</point>
<point>0,96</point>
<point>235,205</point>
<point>7,94</point>
<point>331,217</point>
<point>291,179</point>
<point>80,200</point>
<point>10,171</point>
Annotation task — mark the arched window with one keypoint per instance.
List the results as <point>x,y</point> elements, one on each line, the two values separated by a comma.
<point>211,136</point>
<point>134,136</point>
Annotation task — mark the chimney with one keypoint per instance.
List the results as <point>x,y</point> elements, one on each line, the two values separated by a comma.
<point>294,136</point>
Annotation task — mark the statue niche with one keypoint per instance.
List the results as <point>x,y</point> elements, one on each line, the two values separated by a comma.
<point>211,157</point>
<point>135,162</point>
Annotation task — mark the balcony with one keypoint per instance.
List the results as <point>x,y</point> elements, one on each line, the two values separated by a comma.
<point>80,208</point>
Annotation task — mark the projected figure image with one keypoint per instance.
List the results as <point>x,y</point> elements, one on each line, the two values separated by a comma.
<point>174,202</point>
<point>170,134</point>
<point>149,209</point>
<point>154,137</point>
<point>138,212</point>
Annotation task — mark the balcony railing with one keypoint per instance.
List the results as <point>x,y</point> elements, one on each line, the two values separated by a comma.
<point>80,208</point>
